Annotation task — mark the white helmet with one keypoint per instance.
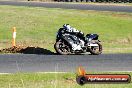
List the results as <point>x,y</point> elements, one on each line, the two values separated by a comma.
<point>67,27</point>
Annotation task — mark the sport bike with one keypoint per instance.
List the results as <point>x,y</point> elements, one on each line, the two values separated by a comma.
<point>65,41</point>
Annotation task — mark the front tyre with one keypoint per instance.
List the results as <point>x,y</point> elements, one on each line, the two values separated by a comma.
<point>62,48</point>
<point>96,50</point>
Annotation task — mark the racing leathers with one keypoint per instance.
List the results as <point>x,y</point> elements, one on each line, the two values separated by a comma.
<point>75,46</point>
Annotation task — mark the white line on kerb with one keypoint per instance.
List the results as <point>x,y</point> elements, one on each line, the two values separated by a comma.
<point>37,72</point>
<point>62,72</point>
<point>4,73</point>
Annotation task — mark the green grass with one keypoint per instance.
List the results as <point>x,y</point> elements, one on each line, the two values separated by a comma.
<point>37,26</point>
<point>45,80</point>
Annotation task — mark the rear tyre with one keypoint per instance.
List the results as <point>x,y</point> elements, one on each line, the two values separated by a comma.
<point>94,50</point>
<point>62,48</point>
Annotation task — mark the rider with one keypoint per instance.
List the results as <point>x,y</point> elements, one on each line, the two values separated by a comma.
<point>76,32</point>
<point>71,30</point>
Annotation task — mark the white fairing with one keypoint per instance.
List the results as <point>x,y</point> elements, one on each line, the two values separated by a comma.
<point>76,47</point>
<point>93,45</point>
<point>82,43</point>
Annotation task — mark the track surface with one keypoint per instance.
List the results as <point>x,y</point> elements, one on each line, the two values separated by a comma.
<point>71,6</point>
<point>60,63</point>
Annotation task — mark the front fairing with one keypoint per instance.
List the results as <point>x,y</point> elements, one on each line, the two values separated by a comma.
<point>59,33</point>
<point>90,37</point>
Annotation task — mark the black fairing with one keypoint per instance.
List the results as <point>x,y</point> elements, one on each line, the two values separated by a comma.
<point>59,34</point>
<point>92,36</point>
<point>66,37</point>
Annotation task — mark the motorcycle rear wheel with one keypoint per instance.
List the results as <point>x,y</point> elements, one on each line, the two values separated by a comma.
<point>61,48</point>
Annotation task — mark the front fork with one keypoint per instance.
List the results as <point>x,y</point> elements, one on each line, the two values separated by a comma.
<point>92,43</point>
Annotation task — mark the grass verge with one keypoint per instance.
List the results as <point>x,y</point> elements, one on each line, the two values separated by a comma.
<point>51,80</point>
<point>37,26</point>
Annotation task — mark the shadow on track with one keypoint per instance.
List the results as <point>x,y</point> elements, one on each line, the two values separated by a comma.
<point>36,50</point>
<point>27,50</point>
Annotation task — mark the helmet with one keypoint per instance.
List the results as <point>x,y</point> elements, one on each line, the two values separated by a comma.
<point>67,26</point>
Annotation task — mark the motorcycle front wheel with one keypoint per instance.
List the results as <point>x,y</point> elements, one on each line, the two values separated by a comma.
<point>62,48</point>
<point>96,50</point>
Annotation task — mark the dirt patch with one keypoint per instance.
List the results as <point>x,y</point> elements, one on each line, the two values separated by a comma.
<point>27,50</point>
<point>70,80</point>
<point>122,41</point>
<point>122,15</point>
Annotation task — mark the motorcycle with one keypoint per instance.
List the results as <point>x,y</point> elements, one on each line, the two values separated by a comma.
<point>65,41</point>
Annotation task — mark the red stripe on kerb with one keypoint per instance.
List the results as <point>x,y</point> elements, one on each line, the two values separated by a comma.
<point>107,76</point>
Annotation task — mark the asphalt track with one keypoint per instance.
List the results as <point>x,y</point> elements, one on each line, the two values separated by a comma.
<point>13,63</point>
<point>71,6</point>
